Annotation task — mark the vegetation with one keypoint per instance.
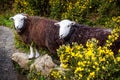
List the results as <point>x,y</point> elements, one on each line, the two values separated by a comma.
<point>91,63</point>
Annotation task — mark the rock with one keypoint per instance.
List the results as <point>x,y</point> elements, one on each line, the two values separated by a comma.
<point>7,70</point>
<point>21,59</point>
<point>43,64</point>
<point>7,40</point>
<point>7,48</point>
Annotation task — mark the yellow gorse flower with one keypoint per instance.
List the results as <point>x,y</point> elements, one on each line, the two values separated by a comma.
<point>68,49</point>
<point>96,63</point>
<point>92,74</point>
<point>55,74</point>
<point>118,58</point>
<point>78,69</point>
<point>81,64</point>
<point>64,65</point>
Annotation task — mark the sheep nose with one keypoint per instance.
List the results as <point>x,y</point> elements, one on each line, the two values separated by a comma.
<point>61,36</point>
<point>17,27</point>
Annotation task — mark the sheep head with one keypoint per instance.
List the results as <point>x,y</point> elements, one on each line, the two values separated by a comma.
<point>19,20</point>
<point>65,26</point>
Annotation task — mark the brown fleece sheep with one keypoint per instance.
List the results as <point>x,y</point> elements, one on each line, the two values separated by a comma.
<point>81,33</point>
<point>38,30</point>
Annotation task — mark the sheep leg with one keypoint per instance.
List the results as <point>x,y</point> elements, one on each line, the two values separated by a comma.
<point>37,53</point>
<point>61,64</point>
<point>31,53</point>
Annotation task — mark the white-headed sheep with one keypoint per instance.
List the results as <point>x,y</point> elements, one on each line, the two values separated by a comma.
<point>38,30</point>
<point>81,33</point>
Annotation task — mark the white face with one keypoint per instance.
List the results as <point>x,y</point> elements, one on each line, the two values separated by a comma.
<point>65,26</point>
<point>18,21</point>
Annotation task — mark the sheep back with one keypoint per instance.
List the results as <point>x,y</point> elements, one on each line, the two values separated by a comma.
<point>42,32</point>
<point>81,34</point>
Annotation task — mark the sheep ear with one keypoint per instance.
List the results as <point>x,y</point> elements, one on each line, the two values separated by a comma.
<point>25,17</point>
<point>73,23</point>
<point>57,24</point>
<point>24,14</point>
<point>11,18</point>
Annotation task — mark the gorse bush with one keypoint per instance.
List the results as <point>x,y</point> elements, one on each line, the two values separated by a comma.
<point>58,7</point>
<point>92,62</point>
<point>32,7</point>
<point>113,23</point>
<point>75,10</point>
<point>91,12</point>
<point>23,6</point>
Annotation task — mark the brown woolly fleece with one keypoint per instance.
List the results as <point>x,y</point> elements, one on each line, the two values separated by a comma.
<point>81,33</point>
<point>42,32</point>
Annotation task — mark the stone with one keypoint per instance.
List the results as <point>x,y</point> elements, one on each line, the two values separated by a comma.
<point>21,59</point>
<point>43,64</point>
<point>7,70</point>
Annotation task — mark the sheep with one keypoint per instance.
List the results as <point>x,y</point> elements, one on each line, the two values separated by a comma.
<point>38,30</point>
<point>81,33</point>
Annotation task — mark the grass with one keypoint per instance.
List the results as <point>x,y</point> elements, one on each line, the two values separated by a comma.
<point>4,20</point>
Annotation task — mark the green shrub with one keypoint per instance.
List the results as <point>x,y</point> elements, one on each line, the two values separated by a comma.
<point>22,6</point>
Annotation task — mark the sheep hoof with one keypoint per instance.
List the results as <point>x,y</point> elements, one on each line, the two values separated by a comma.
<point>30,57</point>
<point>61,65</point>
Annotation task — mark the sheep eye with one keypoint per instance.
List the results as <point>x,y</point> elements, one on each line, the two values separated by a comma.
<point>68,26</point>
<point>22,19</point>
